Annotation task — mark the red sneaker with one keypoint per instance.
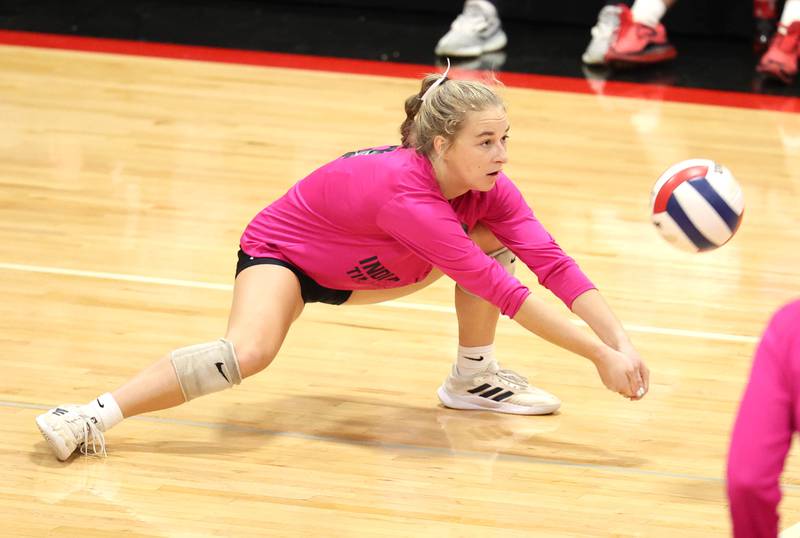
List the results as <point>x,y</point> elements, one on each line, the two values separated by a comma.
<point>637,43</point>
<point>780,61</point>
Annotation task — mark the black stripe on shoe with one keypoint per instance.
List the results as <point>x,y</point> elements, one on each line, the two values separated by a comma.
<point>501,397</point>
<point>491,392</point>
<point>478,389</point>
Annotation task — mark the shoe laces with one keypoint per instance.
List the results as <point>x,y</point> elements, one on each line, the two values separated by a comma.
<point>510,376</point>
<point>91,436</point>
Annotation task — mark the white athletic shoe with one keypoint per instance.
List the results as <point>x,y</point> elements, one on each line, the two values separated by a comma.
<point>503,391</point>
<point>67,430</point>
<point>475,31</point>
<point>603,35</point>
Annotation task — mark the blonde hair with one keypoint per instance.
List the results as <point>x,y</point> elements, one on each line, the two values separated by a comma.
<point>443,111</point>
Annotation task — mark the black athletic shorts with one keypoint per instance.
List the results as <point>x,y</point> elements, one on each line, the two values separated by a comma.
<point>309,289</point>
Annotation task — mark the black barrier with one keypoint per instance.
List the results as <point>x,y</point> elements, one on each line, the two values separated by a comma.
<point>692,17</point>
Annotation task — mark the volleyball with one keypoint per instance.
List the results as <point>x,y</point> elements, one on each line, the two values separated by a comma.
<point>697,205</point>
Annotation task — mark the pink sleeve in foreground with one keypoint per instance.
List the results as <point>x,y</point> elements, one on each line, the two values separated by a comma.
<point>763,430</point>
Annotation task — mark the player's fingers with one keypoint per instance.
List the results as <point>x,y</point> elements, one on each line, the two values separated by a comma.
<point>636,385</point>
<point>633,384</point>
<point>645,378</point>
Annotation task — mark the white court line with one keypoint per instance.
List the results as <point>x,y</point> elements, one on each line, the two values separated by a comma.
<point>632,328</point>
<point>390,304</point>
<point>115,276</point>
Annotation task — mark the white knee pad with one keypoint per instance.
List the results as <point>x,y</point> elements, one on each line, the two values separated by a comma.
<point>206,368</point>
<point>506,258</point>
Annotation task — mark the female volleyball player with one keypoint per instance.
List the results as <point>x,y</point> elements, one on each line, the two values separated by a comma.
<point>375,225</point>
<point>768,417</point>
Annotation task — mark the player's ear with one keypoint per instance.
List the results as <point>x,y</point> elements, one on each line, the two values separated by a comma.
<point>439,145</point>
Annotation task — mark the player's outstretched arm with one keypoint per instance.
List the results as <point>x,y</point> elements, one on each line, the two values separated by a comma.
<point>593,309</point>
<point>619,372</point>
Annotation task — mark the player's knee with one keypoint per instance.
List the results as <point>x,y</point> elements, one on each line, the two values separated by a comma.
<point>506,259</point>
<point>485,239</point>
<point>205,368</point>
<point>253,356</point>
<point>491,245</point>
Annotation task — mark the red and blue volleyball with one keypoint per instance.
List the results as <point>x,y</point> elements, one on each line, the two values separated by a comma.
<point>697,205</point>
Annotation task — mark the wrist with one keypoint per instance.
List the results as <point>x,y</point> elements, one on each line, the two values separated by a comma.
<point>599,353</point>
<point>620,341</point>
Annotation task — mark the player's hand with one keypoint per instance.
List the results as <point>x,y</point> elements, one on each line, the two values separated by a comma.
<point>624,372</point>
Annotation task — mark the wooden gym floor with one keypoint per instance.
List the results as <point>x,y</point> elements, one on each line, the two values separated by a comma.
<point>124,185</point>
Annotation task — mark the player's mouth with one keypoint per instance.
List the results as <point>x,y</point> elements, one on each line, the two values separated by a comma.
<point>494,174</point>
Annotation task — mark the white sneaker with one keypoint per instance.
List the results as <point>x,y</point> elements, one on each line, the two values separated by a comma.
<point>498,390</point>
<point>67,430</point>
<point>475,31</point>
<point>603,34</point>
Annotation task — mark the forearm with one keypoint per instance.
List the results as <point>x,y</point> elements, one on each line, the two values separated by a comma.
<point>593,309</point>
<point>546,322</point>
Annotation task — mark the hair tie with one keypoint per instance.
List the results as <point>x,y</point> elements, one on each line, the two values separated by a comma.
<point>437,83</point>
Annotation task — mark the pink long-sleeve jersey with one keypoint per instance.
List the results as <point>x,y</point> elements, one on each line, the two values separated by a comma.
<point>768,417</point>
<point>377,219</point>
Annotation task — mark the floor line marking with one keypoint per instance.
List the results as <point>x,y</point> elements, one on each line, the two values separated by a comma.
<point>705,335</point>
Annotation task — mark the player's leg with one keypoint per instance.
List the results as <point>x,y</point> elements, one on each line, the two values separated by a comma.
<point>641,38</point>
<point>477,319</point>
<point>266,300</point>
<point>780,60</point>
<point>476,380</point>
<point>475,31</point>
<point>604,32</point>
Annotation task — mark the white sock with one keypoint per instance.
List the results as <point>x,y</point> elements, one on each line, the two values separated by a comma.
<point>104,412</point>
<point>472,360</point>
<point>648,12</point>
<point>487,8</point>
<point>791,12</point>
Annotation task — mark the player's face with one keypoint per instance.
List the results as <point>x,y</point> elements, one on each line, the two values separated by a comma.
<point>478,153</point>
